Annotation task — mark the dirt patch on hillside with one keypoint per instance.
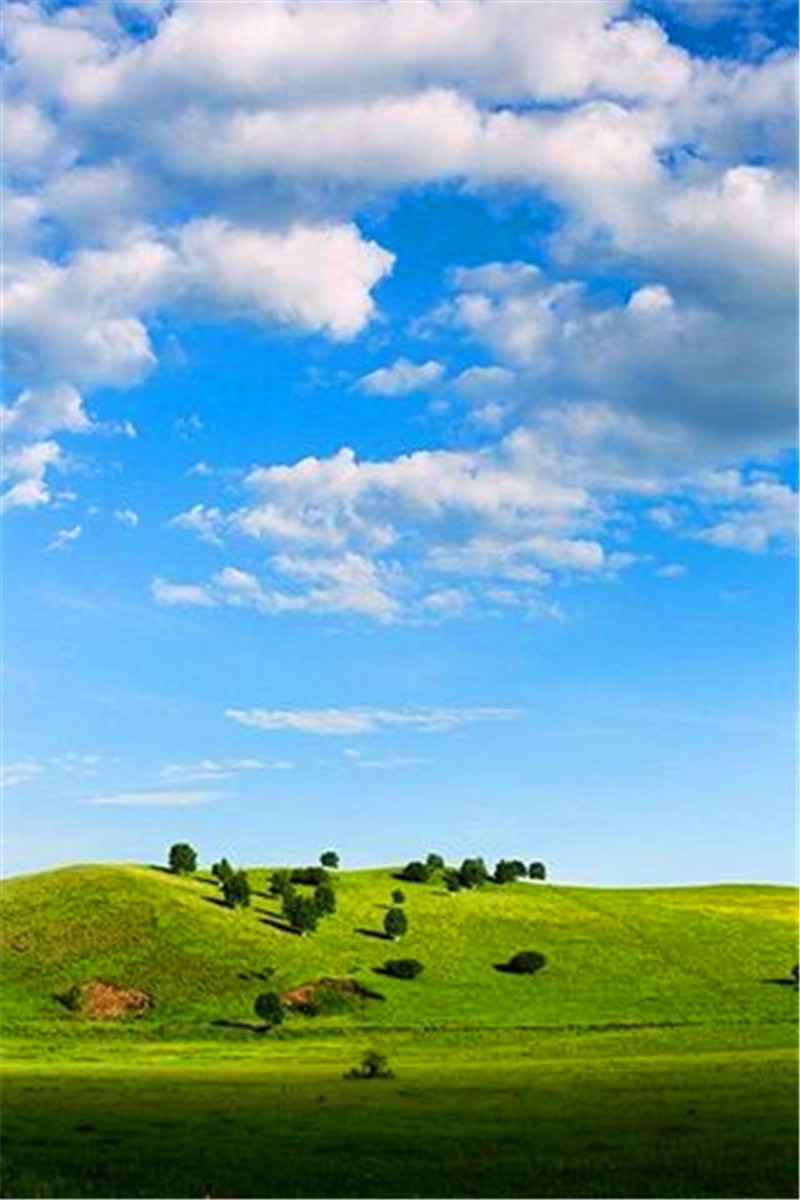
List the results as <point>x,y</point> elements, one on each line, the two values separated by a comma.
<point>327,994</point>
<point>103,1001</point>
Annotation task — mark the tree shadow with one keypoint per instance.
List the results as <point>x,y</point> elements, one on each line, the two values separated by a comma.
<point>223,1023</point>
<point>787,981</point>
<point>250,976</point>
<point>215,900</point>
<point>506,969</point>
<point>373,933</point>
<point>281,926</point>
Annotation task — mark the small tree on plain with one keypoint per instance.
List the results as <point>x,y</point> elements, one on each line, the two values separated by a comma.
<point>434,862</point>
<point>269,1009</point>
<point>452,880</point>
<point>403,968</point>
<point>300,912</point>
<point>236,890</point>
<point>330,859</point>
<point>416,872</point>
<point>395,923</point>
<point>505,871</point>
<point>324,899</point>
<point>222,870</point>
<point>398,897</point>
<point>537,871</point>
<point>526,962</point>
<point>279,881</point>
<point>182,858</point>
<point>473,872</point>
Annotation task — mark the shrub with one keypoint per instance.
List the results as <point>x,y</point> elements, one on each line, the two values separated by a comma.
<point>374,1065</point>
<point>395,923</point>
<point>434,862</point>
<point>330,859</point>
<point>324,899</point>
<point>416,872</point>
<point>526,962</point>
<point>182,858</point>
<point>403,968</point>
<point>506,871</point>
<point>269,1008</point>
<point>398,897</point>
<point>537,871</point>
<point>236,890</point>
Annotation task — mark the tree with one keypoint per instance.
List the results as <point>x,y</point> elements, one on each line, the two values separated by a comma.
<point>300,911</point>
<point>236,890</point>
<point>520,870</point>
<point>374,1065</point>
<point>434,862</point>
<point>222,870</point>
<point>398,897</point>
<point>452,879</point>
<point>324,899</point>
<point>330,859</point>
<point>526,962</point>
<point>280,881</point>
<point>473,872</point>
<point>395,923</point>
<point>505,871</point>
<point>182,858</point>
<point>269,1008</point>
<point>537,871</point>
<point>416,872</point>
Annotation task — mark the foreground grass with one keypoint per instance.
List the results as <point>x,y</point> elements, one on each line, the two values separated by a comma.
<point>616,1117</point>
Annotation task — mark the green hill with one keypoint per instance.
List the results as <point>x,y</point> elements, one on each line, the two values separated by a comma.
<point>632,956</point>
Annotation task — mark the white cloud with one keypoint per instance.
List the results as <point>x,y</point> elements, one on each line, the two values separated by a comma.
<point>15,773</point>
<point>401,378</point>
<point>40,412</point>
<point>126,516</point>
<point>65,537</point>
<point>208,768</point>
<point>350,721</point>
<point>155,799</point>
<point>26,468</point>
<point>670,571</point>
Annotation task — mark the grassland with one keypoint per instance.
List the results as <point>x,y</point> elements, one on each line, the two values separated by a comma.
<point>655,1055</point>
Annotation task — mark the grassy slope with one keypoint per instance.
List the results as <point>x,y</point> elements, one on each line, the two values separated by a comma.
<point>630,956</point>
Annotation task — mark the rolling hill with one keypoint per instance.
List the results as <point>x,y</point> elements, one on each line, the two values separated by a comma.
<point>690,955</point>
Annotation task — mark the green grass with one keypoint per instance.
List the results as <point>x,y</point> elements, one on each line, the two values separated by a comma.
<point>653,1056</point>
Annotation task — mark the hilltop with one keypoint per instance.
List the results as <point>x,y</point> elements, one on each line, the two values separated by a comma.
<point>634,956</point>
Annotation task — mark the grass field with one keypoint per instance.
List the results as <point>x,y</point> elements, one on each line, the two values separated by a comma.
<point>655,1055</point>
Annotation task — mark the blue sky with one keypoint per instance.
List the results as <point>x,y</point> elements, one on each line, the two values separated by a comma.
<point>399,434</point>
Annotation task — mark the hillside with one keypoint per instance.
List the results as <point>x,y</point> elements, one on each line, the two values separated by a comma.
<point>633,956</point>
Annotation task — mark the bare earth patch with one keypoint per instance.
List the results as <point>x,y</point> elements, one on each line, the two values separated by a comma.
<point>306,997</point>
<point>101,1001</point>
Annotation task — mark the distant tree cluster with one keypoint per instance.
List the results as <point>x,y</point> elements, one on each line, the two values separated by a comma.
<point>472,873</point>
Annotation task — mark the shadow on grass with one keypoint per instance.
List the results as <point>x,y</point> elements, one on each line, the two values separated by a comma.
<point>215,900</point>
<point>223,1023</point>
<point>373,933</point>
<point>281,926</point>
<point>787,981</point>
<point>505,969</point>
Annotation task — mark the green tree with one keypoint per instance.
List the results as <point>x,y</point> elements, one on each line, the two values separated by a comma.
<point>395,923</point>
<point>330,859</point>
<point>537,871</point>
<point>301,912</point>
<point>324,899</point>
<point>236,890</point>
<point>398,897</point>
<point>403,968</point>
<point>279,881</point>
<point>182,858</point>
<point>434,862</point>
<point>526,962</point>
<point>222,870</point>
<point>452,879</point>
<point>269,1008</point>
<point>416,872</point>
<point>505,871</point>
<point>473,872</point>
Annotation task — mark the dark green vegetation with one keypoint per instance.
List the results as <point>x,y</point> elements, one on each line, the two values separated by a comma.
<point>653,1056</point>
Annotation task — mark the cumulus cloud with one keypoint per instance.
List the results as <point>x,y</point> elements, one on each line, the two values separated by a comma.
<point>65,537</point>
<point>15,773</point>
<point>401,378</point>
<point>349,721</point>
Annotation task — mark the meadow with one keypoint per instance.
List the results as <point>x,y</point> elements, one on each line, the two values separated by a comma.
<point>654,1055</point>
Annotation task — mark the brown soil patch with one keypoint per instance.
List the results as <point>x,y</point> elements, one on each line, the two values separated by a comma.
<point>101,1001</point>
<point>306,996</point>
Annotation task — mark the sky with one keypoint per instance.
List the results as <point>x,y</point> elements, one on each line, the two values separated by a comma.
<point>399,435</point>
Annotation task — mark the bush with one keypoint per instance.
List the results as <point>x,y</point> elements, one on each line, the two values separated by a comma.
<point>300,911</point>
<point>452,880</point>
<point>182,858</point>
<point>236,890</point>
<point>506,871</point>
<point>403,968</point>
<point>537,871</point>
<point>395,923</point>
<point>434,862</point>
<point>526,962</point>
<point>269,1008</point>
<point>416,872</point>
<point>330,859</point>
<point>374,1065</point>
<point>324,899</point>
<point>398,897</point>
